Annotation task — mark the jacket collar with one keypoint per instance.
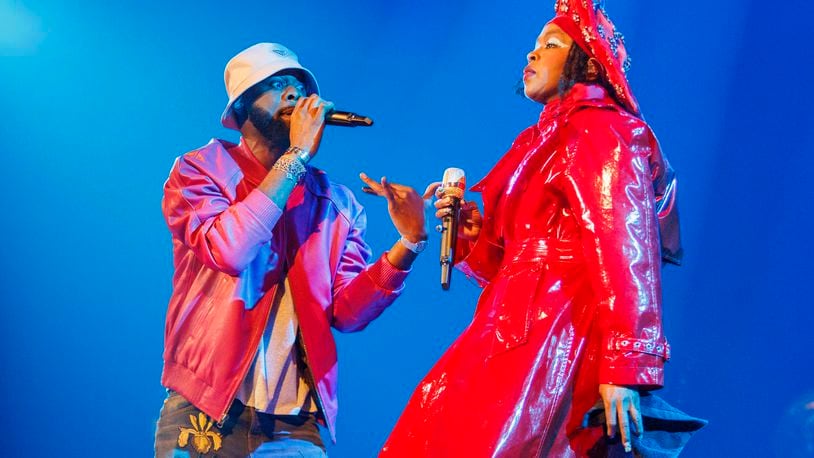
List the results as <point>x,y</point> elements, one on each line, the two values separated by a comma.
<point>532,139</point>
<point>580,95</point>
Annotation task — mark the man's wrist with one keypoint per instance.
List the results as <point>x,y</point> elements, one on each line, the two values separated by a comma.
<point>415,247</point>
<point>291,166</point>
<point>302,154</point>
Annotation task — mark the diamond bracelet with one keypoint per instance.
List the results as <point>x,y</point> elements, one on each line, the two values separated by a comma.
<point>291,165</point>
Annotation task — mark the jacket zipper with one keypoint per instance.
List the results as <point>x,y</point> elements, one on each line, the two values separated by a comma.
<point>310,379</point>
<point>271,294</point>
<point>245,370</point>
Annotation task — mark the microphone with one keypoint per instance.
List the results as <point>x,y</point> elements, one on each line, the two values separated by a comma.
<point>453,185</point>
<point>347,119</point>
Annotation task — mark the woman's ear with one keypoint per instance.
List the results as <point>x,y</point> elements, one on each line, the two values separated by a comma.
<point>592,70</point>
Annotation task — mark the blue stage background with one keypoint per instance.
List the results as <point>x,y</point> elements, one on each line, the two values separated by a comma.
<point>98,98</point>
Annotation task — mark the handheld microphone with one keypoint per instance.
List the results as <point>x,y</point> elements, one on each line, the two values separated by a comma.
<point>453,186</point>
<point>347,119</point>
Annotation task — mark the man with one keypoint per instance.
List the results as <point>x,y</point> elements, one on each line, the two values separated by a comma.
<point>268,255</point>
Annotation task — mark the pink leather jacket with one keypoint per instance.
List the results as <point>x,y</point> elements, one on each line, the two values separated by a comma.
<point>232,246</point>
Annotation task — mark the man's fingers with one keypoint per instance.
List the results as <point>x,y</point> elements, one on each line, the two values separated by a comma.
<point>387,189</point>
<point>327,106</point>
<point>368,181</point>
<point>372,186</point>
<point>304,104</point>
<point>391,191</point>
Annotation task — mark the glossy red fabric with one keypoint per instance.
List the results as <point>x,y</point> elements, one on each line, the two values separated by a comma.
<point>569,257</point>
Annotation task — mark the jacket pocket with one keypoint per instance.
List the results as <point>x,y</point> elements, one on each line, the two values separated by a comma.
<point>514,294</point>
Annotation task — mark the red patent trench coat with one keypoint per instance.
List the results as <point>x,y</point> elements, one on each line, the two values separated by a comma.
<point>577,217</point>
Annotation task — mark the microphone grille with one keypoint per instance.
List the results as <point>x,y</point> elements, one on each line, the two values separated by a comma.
<point>454,182</point>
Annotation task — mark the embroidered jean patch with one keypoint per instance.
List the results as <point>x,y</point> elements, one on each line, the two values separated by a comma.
<point>203,438</point>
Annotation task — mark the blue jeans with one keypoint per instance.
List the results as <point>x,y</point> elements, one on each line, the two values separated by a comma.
<point>185,431</point>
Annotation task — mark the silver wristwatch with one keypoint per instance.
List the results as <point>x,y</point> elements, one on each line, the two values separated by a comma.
<point>414,247</point>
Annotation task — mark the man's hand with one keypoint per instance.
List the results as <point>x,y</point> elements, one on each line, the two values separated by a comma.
<point>405,205</point>
<point>308,122</point>
<point>621,405</point>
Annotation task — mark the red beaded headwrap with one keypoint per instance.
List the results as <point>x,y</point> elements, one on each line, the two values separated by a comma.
<point>587,23</point>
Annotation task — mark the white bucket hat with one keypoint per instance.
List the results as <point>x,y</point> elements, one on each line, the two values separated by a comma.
<point>254,64</point>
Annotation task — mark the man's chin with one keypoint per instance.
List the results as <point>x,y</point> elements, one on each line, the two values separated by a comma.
<point>282,122</point>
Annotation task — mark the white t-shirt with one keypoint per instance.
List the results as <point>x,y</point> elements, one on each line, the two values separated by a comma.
<point>274,383</point>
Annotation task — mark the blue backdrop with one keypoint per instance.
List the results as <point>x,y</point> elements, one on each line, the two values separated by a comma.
<point>98,98</point>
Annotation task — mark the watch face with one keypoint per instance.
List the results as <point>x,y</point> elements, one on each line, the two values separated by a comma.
<point>414,247</point>
<point>419,247</point>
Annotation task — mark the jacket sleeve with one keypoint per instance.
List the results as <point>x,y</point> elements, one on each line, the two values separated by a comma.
<point>479,260</point>
<point>224,235</point>
<point>608,186</point>
<point>361,292</point>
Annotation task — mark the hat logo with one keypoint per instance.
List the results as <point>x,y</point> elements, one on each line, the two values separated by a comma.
<point>280,52</point>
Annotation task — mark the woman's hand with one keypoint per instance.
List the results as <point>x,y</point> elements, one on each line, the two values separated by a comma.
<point>470,219</point>
<point>621,406</point>
<point>405,205</point>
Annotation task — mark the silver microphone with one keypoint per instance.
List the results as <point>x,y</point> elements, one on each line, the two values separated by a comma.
<point>453,186</point>
<point>347,119</point>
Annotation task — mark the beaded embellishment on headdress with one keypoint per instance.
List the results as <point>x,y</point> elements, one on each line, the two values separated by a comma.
<point>588,24</point>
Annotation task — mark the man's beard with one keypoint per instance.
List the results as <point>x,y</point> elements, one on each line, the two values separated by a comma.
<point>273,129</point>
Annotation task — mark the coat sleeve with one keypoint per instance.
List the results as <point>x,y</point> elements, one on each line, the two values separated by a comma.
<point>479,260</point>
<point>224,235</point>
<point>362,291</point>
<point>608,186</point>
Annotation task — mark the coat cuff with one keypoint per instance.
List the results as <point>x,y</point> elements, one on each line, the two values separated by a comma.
<point>632,361</point>
<point>481,261</point>
<point>387,276</point>
<point>645,377</point>
<point>262,208</point>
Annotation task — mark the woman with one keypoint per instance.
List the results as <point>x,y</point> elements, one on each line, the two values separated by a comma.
<point>577,218</point>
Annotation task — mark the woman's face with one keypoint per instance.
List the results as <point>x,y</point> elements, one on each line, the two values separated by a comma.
<point>541,76</point>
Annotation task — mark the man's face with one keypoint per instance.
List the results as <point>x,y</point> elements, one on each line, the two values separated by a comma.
<point>541,77</point>
<point>271,111</point>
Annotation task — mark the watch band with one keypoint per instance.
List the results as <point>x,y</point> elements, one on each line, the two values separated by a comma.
<point>416,247</point>
<point>302,154</point>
